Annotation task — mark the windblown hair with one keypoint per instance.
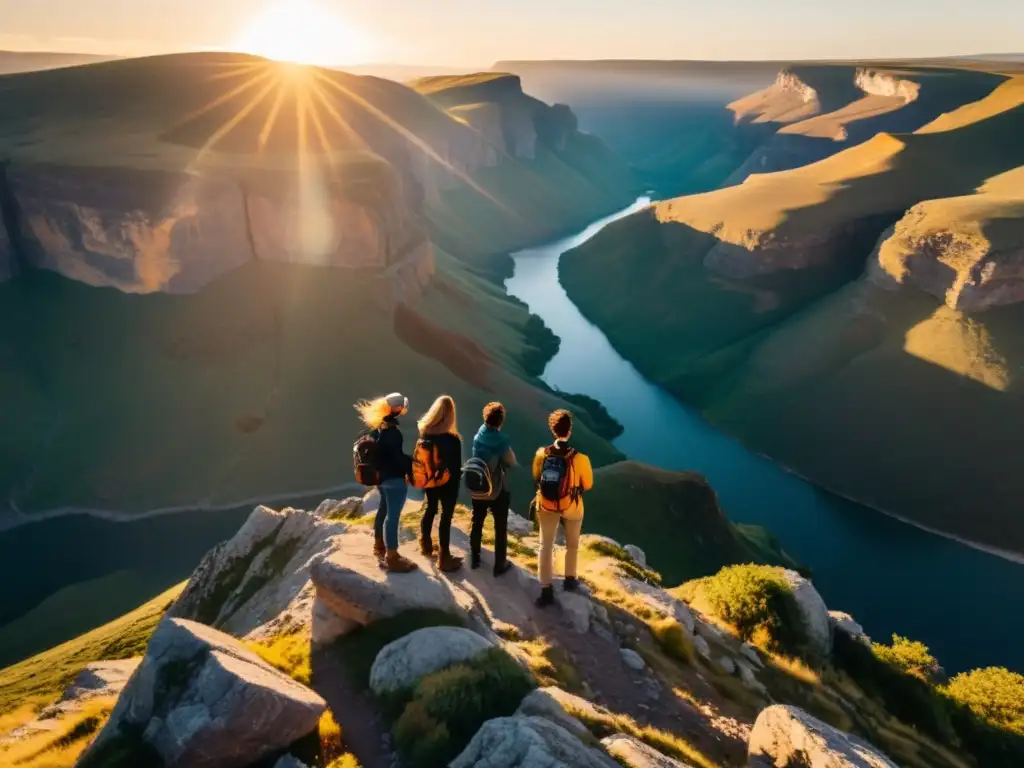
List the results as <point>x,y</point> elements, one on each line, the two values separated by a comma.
<point>560,422</point>
<point>373,412</point>
<point>494,415</point>
<point>440,418</point>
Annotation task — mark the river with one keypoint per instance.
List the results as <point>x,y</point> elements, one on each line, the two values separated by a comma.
<point>891,576</point>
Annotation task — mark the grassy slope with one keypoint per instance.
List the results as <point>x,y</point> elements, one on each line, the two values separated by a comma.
<point>771,365</point>
<point>675,518</point>
<point>41,679</point>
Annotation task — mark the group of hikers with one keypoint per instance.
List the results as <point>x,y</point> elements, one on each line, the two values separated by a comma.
<point>560,473</point>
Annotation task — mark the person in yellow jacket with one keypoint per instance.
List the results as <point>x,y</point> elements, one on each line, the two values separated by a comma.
<point>563,475</point>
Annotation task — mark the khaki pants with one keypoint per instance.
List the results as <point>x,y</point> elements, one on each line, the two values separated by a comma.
<point>548,529</point>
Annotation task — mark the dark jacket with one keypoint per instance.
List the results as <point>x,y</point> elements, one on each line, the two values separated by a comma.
<point>392,457</point>
<point>493,446</point>
<point>449,447</point>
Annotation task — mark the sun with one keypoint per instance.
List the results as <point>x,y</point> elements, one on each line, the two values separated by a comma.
<point>303,32</point>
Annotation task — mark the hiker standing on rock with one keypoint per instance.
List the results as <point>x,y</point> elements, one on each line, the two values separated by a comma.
<point>563,475</point>
<point>437,469</point>
<point>380,461</point>
<point>487,479</point>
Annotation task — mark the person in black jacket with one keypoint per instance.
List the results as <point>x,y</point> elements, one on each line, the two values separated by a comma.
<point>381,416</point>
<point>438,430</point>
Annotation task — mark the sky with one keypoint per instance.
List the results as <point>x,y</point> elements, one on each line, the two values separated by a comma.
<point>468,33</point>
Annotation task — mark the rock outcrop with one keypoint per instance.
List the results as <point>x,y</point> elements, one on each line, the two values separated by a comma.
<point>199,699</point>
<point>350,582</point>
<point>403,663</point>
<point>787,737</point>
<point>559,707</point>
<point>636,754</point>
<point>528,742</point>
<point>844,622</point>
<point>138,231</point>
<point>814,613</point>
<point>257,583</point>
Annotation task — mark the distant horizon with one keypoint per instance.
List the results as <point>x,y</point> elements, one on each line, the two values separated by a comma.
<point>454,34</point>
<point>994,55</point>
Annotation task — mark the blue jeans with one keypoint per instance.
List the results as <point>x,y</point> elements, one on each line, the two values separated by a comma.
<point>392,500</point>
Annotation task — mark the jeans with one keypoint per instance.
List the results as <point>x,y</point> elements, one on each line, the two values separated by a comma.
<point>392,499</point>
<point>499,509</point>
<point>445,497</point>
<point>548,530</point>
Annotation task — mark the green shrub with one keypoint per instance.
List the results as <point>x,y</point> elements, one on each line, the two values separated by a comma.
<point>758,601</point>
<point>673,640</point>
<point>909,656</point>
<point>994,694</point>
<point>447,708</point>
<point>907,697</point>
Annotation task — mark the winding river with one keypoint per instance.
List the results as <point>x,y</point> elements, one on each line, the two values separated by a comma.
<point>964,603</point>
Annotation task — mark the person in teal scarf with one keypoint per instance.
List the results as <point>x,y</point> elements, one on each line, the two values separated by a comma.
<point>492,446</point>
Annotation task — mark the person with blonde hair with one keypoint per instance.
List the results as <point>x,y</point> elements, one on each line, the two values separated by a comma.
<point>389,465</point>
<point>562,475</point>
<point>437,468</point>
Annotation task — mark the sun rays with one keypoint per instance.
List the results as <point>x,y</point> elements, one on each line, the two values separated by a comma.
<point>300,116</point>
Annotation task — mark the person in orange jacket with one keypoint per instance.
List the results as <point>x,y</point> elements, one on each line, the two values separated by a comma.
<point>563,475</point>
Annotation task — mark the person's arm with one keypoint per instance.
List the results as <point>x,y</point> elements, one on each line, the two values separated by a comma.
<point>585,471</point>
<point>509,458</point>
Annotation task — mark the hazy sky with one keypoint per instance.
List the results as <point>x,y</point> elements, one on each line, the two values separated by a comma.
<point>478,32</point>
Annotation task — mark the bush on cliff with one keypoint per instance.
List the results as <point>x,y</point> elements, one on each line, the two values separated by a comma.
<point>994,694</point>
<point>445,710</point>
<point>909,656</point>
<point>758,601</point>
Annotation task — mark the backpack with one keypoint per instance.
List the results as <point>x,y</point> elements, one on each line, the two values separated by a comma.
<point>365,461</point>
<point>554,482</point>
<point>427,468</point>
<point>479,481</point>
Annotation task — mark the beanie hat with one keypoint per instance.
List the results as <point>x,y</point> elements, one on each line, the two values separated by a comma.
<point>397,401</point>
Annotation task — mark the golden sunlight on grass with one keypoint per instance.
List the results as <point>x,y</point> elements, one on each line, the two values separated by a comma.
<point>956,342</point>
<point>60,747</point>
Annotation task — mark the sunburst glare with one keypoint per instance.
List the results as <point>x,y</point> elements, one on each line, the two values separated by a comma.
<point>305,32</point>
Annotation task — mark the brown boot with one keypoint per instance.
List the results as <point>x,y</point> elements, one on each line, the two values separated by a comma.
<point>379,550</point>
<point>427,546</point>
<point>398,564</point>
<point>449,563</point>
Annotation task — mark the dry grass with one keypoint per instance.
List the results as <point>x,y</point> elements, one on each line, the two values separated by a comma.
<point>61,747</point>
<point>288,653</point>
<point>550,665</point>
<point>40,679</point>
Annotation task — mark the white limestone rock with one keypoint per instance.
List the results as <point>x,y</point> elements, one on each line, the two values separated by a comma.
<point>814,613</point>
<point>787,737</point>
<point>638,555</point>
<point>528,742</point>
<point>200,699</point>
<point>403,663</point>
<point>632,659</point>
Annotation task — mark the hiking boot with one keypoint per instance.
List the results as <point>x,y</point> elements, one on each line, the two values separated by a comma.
<point>571,584</point>
<point>398,564</point>
<point>427,546</point>
<point>547,597</point>
<point>379,550</point>
<point>502,569</point>
<point>449,563</point>
<point>474,561</point>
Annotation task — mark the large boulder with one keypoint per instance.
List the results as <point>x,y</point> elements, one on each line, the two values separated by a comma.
<point>403,663</point>
<point>787,737</point>
<point>350,582</point>
<point>844,622</point>
<point>636,754</point>
<point>528,742</point>
<point>200,699</point>
<point>814,613</point>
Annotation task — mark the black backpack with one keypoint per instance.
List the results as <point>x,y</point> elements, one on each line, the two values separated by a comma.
<point>365,459</point>
<point>554,480</point>
<point>478,479</point>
